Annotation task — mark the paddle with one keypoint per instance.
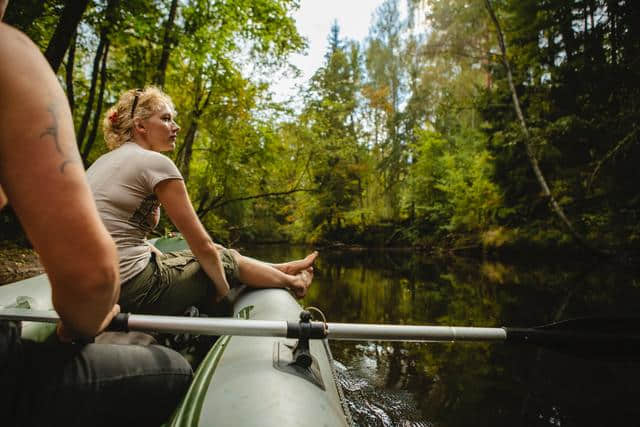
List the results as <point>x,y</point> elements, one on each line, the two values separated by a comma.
<point>617,338</point>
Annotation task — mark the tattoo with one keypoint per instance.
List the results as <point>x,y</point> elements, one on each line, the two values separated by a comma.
<point>147,214</point>
<point>52,131</point>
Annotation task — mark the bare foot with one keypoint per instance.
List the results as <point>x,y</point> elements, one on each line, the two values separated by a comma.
<point>295,267</point>
<point>302,282</point>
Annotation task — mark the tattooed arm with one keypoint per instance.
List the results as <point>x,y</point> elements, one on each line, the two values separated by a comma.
<point>44,181</point>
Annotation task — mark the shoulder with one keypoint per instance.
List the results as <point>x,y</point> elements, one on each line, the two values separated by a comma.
<point>23,56</point>
<point>134,153</point>
<point>11,38</point>
<point>155,166</point>
<point>155,160</point>
<point>132,156</point>
<point>154,155</point>
<point>22,65</point>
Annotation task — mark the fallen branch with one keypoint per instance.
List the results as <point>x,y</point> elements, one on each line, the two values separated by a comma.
<point>610,155</point>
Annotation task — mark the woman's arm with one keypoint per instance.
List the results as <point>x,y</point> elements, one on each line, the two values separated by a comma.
<point>44,180</point>
<point>173,195</point>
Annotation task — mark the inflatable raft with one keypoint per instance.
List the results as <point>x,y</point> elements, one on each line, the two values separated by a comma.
<point>254,381</point>
<point>242,381</point>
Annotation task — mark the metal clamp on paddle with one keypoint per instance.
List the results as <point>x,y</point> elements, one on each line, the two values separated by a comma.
<point>303,330</point>
<point>297,359</point>
<point>306,328</point>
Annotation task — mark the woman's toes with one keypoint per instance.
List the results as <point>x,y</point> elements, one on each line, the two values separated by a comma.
<point>305,278</point>
<point>295,267</point>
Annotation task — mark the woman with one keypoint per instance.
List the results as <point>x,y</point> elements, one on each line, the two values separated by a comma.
<point>131,182</point>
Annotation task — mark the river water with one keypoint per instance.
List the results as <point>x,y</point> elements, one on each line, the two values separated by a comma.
<point>473,384</point>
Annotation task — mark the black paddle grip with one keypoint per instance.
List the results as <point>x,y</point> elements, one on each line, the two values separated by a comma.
<point>120,323</point>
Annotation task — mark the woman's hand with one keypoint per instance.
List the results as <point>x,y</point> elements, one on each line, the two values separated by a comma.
<point>67,335</point>
<point>154,250</point>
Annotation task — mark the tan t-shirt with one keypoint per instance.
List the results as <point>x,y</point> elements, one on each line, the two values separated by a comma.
<point>122,182</point>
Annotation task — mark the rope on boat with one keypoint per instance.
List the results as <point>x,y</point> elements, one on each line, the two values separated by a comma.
<point>324,319</point>
<point>334,374</point>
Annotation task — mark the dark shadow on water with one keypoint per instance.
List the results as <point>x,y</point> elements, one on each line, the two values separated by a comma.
<point>477,384</point>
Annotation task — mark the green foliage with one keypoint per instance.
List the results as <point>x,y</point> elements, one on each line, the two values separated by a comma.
<point>451,183</point>
<point>407,137</point>
<point>572,64</point>
<point>336,168</point>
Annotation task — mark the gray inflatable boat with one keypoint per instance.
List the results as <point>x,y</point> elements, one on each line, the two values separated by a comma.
<point>255,381</point>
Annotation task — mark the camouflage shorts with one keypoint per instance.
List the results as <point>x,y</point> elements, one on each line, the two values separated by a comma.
<point>173,281</point>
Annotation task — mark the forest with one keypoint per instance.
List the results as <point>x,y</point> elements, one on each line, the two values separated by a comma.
<point>468,125</point>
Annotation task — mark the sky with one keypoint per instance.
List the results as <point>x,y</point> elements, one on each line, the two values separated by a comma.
<point>313,20</point>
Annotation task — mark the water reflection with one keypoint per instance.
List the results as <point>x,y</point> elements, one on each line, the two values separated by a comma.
<point>410,384</point>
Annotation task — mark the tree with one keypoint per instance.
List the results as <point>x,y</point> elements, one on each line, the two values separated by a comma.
<point>63,34</point>
<point>385,88</point>
<point>530,154</point>
<point>337,157</point>
<point>99,68</point>
<point>22,14</point>
<point>566,68</point>
<point>167,44</point>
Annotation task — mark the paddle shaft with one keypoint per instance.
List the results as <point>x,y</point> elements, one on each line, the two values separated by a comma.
<point>336,331</point>
<point>575,334</point>
<point>277,328</point>
<point>371,332</point>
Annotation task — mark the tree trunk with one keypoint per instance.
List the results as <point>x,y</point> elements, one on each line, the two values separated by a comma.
<point>92,92</point>
<point>71,15</point>
<point>166,45</point>
<point>565,23</point>
<point>21,14</point>
<point>187,148</point>
<point>69,71</point>
<point>186,151</point>
<point>98,113</point>
<point>612,13</point>
<point>557,209</point>
<point>110,21</point>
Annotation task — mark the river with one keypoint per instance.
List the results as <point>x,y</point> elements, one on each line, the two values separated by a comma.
<point>473,384</point>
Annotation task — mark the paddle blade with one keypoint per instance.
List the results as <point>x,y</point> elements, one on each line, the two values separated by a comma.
<point>610,339</point>
<point>611,324</point>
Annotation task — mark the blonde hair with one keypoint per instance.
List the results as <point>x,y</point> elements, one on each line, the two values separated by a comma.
<point>119,120</point>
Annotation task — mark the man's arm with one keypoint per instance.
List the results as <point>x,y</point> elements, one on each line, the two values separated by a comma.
<point>43,177</point>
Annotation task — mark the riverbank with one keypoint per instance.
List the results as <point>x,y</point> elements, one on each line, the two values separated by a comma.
<point>18,263</point>
<point>497,242</point>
